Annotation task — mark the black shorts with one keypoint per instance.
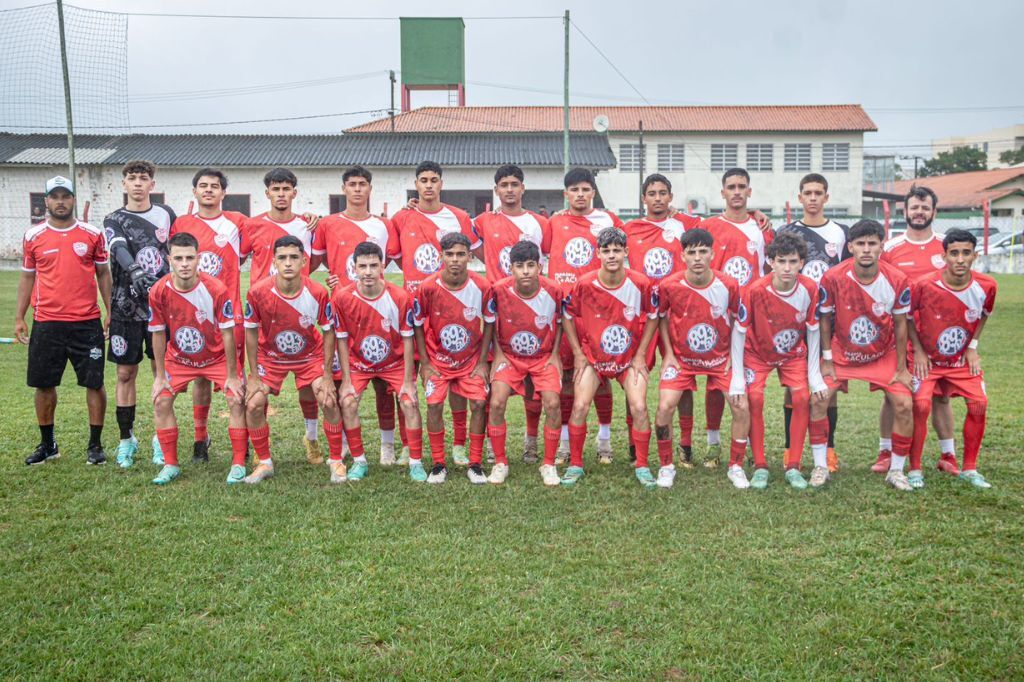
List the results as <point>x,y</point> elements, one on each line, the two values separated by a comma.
<point>52,344</point>
<point>127,340</point>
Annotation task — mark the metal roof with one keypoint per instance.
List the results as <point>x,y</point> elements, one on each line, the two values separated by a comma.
<point>369,149</point>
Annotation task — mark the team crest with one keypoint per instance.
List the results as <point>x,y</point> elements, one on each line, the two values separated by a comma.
<point>505,260</point>
<point>615,340</point>
<point>210,263</point>
<point>426,259</point>
<point>469,312</point>
<point>385,324</point>
<point>863,331</point>
<point>261,370</point>
<point>109,232</point>
<point>350,268</point>
<point>751,247</point>
<point>374,349</point>
<point>220,240</point>
<point>905,296</point>
<point>525,343</point>
<point>669,373</point>
<point>629,312</point>
<point>815,269</point>
<point>972,315</point>
<point>95,353</point>
<point>749,376</point>
<point>200,316</point>
<point>189,340</point>
<point>938,262</point>
<point>161,234</point>
<point>832,249</point>
<point>290,342</point>
<point>800,316</point>
<point>739,269</point>
<point>717,311</point>
<point>658,263</point>
<point>701,338</point>
<point>305,321</point>
<point>785,341</point>
<point>80,248</point>
<point>951,341</point>
<point>228,310</point>
<point>741,313</point>
<point>541,321</point>
<point>149,259</point>
<point>429,388</point>
<point>118,346</point>
<point>878,308</point>
<point>454,338</point>
<point>579,252</point>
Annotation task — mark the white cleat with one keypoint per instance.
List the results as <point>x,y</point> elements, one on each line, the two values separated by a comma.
<point>666,476</point>
<point>549,474</point>
<point>459,455</point>
<point>387,454</point>
<point>898,480</point>
<point>475,474</point>
<point>488,451</point>
<point>562,456</point>
<point>263,471</point>
<point>604,450</point>
<point>499,473</point>
<point>819,476</point>
<point>738,477</point>
<point>403,459</point>
<point>339,473</point>
<point>439,474</point>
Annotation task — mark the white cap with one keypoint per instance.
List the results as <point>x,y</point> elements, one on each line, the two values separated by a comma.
<point>59,181</point>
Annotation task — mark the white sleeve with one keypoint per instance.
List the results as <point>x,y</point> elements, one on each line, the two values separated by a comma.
<point>737,384</point>
<point>814,378</point>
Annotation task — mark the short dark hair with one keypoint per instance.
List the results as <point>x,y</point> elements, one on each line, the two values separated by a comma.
<point>787,243</point>
<point>508,170</point>
<point>696,237</point>
<point>279,175</point>
<point>957,235</point>
<point>653,178</point>
<point>367,249</point>
<point>357,172</point>
<point>921,192</point>
<point>429,166</point>
<point>742,172</point>
<point>523,251</point>
<point>288,240</point>
<point>451,239</point>
<point>183,239</point>
<point>866,228</point>
<point>577,175</point>
<point>813,177</point>
<point>611,236</point>
<point>139,166</point>
<point>213,173</point>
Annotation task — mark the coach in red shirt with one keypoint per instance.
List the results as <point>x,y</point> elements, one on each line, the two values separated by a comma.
<point>64,264</point>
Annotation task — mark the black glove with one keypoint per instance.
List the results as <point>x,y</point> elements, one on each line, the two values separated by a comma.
<point>141,282</point>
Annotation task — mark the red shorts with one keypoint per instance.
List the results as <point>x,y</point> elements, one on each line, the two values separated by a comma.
<point>464,383</point>
<point>180,376</point>
<point>273,373</point>
<point>940,389</point>
<point>792,373</point>
<point>950,382</point>
<point>514,372</point>
<point>685,379</point>
<point>392,378</point>
<point>565,352</point>
<point>877,374</point>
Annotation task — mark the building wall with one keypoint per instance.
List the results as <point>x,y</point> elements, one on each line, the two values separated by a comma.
<point>992,142</point>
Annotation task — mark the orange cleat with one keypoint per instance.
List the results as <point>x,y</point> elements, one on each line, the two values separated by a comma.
<point>833,461</point>
<point>882,465</point>
<point>947,465</point>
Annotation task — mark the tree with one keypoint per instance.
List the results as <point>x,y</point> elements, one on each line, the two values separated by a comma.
<point>1011,157</point>
<point>960,160</point>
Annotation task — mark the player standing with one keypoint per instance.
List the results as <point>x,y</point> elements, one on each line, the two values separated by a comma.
<point>64,264</point>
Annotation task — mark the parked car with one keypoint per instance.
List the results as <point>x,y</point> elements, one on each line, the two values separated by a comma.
<point>1006,243</point>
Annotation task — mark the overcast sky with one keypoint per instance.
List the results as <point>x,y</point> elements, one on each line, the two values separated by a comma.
<point>910,64</point>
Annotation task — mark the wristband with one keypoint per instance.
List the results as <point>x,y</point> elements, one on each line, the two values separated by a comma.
<point>973,345</point>
<point>826,355</point>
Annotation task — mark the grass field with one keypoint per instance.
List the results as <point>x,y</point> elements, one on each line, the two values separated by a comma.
<point>107,576</point>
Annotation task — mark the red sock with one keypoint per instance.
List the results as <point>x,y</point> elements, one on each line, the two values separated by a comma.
<point>385,409</point>
<point>497,434</point>
<point>261,441</point>
<point>819,432</point>
<point>476,448</point>
<point>565,402</point>
<point>629,426</point>
<point>436,446</point>
<point>756,402</point>
<point>334,433</point>
<point>239,442</point>
<point>974,431</point>
<point>665,452</point>
<point>577,438</point>
<point>309,409</point>
<point>169,444</point>
<point>200,415</point>
<point>533,410</point>
<point>737,450</point>
<point>551,438</point>
<point>686,431</point>
<point>603,402</point>
<point>459,429</point>
<point>714,406</point>
<point>642,441</point>
<point>922,408</point>
<point>900,445</point>
<point>413,438</point>
<point>401,425</point>
<point>355,441</point>
<point>801,399</point>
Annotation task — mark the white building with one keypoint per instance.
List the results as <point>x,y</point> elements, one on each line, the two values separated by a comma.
<point>992,142</point>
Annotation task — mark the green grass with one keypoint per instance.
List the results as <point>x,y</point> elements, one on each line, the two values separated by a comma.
<point>106,576</point>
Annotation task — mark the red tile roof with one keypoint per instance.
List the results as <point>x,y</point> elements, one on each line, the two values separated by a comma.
<point>968,190</point>
<point>832,118</point>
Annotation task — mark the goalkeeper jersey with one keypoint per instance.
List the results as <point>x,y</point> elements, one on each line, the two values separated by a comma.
<point>144,235</point>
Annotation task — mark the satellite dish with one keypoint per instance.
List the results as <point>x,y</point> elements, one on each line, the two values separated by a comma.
<point>601,123</point>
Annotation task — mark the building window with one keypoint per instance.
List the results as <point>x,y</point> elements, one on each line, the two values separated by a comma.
<point>154,198</point>
<point>236,202</point>
<point>338,202</point>
<point>835,156</point>
<point>724,156</point>
<point>630,157</point>
<point>760,157</point>
<point>798,157</point>
<point>37,207</point>
<point>671,158</point>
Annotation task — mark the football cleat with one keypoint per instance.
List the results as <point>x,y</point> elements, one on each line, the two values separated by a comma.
<point>95,455</point>
<point>358,471</point>
<point>126,450</point>
<point>684,454</point>
<point>416,471</point>
<point>488,452</point>
<point>201,451</point>
<point>738,477</point>
<point>236,474</point>
<point>562,455</point>
<point>947,465</point>
<point>713,457</point>
<point>313,454</point>
<point>459,455</point>
<point>916,479</point>
<point>833,461</point>
<point>819,476</point>
<point>646,478</point>
<point>666,476</point>
<point>439,474</point>
<point>158,452</point>
<point>168,473</point>
<point>795,479</point>
<point>43,453</point>
<point>530,450</point>
<point>975,479</point>
<point>898,480</point>
<point>759,481</point>
<point>403,458</point>
<point>263,471</point>
<point>549,474</point>
<point>499,474</point>
<point>881,465</point>
<point>387,454</point>
<point>604,450</point>
<point>572,476</point>
<point>475,474</point>
<point>339,473</point>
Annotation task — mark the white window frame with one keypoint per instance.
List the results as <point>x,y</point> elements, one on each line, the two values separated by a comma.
<point>630,157</point>
<point>797,157</point>
<point>728,156</point>
<point>760,156</point>
<point>835,156</point>
<point>671,158</point>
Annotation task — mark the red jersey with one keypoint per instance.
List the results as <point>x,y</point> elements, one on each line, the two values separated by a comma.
<point>220,248</point>
<point>610,322</point>
<point>914,259</point>
<point>374,327</point>
<point>258,236</point>
<point>452,321</point>
<point>500,232</point>
<point>192,319</point>
<point>654,247</point>
<point>573,248</point>
<point>700,318</point>
<point>946,319</point>
<point>526,327</point>
<point>739,247</point>
<point>419,238</point>
<point>862,327</point>
<point>64,261</point>
<point>337,236</point>
<point>288,324</point>
<point>776,323</point>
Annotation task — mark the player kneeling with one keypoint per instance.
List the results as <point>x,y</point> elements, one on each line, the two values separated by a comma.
<point>697,309</point>
<point>373,319</point>
<point>527,330</point>
<point>609,319</point>
<point>192,323</point>
<point>949,309</point>
<point>282,314</point>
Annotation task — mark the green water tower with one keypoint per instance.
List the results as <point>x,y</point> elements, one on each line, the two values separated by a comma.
<point>433,57</point>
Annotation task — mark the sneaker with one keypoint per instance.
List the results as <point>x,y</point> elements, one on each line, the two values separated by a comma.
<point>572,476</point>
<point>387,454</point>
<point>819,476</point>
<point>168,473</point>
<point>475,474</point>
<point>666,476</point>
<point>43,453</point>
<point>126,450</point>
<point>313,454</point>
<point>236,474</point>
<point>604,450</point>
<point>459,455</point>
<point>530,450</point>
<point>916,479</point>
<point>975,479</point>
<point>833,461</point>
<point>759,481</point>
<point>339,473</point>
<point>439,474</point>
<point>201,451</point>
<point>897,479</point>
<point>416,471</point>
<point>498,474</point>
<point>562,455</point>
<point>358,471</point>
<point>403,459</point>
<point>263,471</point>
<point>713,457</point>
<point>795,479</point>
<point>738,477</point>
<point>158,452</point>
<point>646,478</point>
<point>549,474</point>
<point>95,455</point>
<point>881,465</point>
<point>947,465</point>
<point>488,452</point>
<point>684,455</point>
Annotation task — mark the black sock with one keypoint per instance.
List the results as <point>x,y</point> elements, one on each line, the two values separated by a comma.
<point>833,417</point>
<point>787,415</point>
<point>46,434</point>
<point>125,420</point>
<point>95,433</point>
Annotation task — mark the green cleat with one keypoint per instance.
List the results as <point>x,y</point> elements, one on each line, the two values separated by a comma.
<point>795,479</point>
<point>759,481</point>
<point>459,455</point>
<point>646,478</point>
<point>572,475</point>
<point>916,479</point>
<point>158,453</point>
<point>126,450</point>
<point>713,456</point>
<point>358,471</point>
<point>975,479</point>
<point>167,474</point>
<point>416,471</point>
<point>236,474</point>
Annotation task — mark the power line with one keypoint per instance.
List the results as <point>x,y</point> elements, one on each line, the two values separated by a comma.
<point>219,123</point>
<point>247,89</point>
<point>610,63</point>
<point>284,17</point>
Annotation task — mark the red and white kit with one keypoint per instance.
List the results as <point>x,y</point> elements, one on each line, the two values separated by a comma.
<point>337,236</point>
<point>914,259</point>
<point>258,237</point>
<point>220,247</point>
<point>739,248</point>
<point>374,330</point>
<point>500,232</point>
<point>654,247</point>
<point>64,261</point>
<point>574,244</point>
<point>525,330</point>
<point>419,236</point>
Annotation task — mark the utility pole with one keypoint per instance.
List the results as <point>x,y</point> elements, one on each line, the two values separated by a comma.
<point>565,104</point>
<point>391,111</point>
<point>642,155</point>
<point>67,95</point>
